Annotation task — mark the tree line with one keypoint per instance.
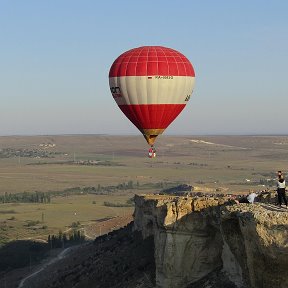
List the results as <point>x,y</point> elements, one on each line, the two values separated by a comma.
<point>45,197</point>
<point>26,197</point>
<point>62,239</point>
<point>129,203</point>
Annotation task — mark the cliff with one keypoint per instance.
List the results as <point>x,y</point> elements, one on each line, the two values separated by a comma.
<point>196,237</point>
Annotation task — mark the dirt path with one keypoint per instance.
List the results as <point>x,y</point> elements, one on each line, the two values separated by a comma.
<point>60,256</point>
<point>91,232</point>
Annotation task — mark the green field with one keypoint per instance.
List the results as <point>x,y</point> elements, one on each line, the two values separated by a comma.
<point>233,164</point>
<point>58,215</point>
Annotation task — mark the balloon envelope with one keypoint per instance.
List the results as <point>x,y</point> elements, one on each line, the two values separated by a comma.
<point>151,85</point>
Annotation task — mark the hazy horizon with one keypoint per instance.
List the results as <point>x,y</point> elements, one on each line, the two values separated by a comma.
<point>140,135</point>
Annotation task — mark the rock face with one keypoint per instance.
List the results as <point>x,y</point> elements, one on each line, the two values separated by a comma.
<point>194,237</point>
<point>257,238</point>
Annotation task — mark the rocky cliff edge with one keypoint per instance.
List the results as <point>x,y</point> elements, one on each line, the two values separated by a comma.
<point>194,237</point>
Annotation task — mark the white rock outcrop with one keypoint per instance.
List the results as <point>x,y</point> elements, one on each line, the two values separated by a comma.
<point>196,236</point>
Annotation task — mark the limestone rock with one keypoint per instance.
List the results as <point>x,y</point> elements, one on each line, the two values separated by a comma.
<point>194,237</point>
<point>257,236</point>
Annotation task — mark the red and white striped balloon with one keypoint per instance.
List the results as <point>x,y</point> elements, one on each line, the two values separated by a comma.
<point>151,85</point>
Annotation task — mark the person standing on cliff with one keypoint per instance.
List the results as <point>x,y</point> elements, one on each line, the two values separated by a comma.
<point>281,191</point>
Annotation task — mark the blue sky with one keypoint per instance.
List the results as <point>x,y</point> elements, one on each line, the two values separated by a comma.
<point>56,55</point>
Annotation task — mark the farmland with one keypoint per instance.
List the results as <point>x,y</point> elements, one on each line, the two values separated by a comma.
<point>68,166</point>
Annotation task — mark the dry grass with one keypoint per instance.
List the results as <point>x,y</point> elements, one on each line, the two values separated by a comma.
<point>246,156</point>
<point>58,215</point>
<point>227,161</point>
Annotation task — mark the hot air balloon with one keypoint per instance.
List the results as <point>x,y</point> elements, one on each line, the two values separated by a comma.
<point>151,85</point>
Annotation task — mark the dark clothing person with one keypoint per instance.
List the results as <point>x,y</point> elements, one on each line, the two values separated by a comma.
<point>281,191</point>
